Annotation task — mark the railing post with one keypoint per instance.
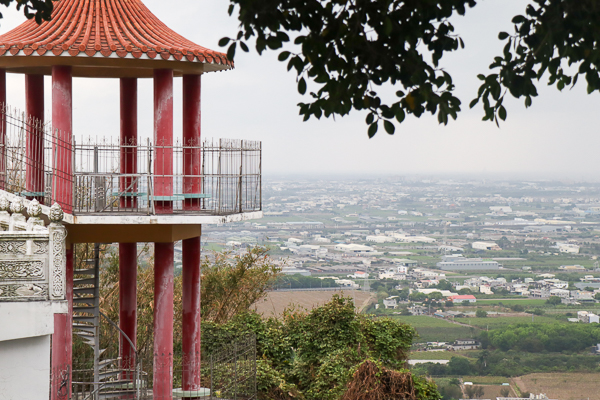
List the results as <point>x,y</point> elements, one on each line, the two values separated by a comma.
<point>241,175</point>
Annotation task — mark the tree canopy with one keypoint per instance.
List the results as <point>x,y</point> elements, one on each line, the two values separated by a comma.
<point>344,51</point>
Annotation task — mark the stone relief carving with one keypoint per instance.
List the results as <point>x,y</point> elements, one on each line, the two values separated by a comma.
<point>56,213</point>
<point>23,292</point>
<point>13,247</point>
<point>40,247</point>
<point>59,261</point>
<point>16,205</point>
<point>34,209</point>
<point>4,203</point>
<point>21,270</point>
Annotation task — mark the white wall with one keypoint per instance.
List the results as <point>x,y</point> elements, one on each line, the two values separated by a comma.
<point>25,368</point>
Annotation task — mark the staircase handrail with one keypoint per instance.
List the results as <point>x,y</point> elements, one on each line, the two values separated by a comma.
<point>120,330</point>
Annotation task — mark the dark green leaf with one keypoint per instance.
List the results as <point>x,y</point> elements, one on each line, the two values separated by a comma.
<point>502,113</point>
<point>283,55</point>
<point>231,51</point>
<point>301,86</point>
<point>502,35</point>
<point>389,127</point>
<point>223,42</point>
<point>400,115</point>
<point>372,130</point>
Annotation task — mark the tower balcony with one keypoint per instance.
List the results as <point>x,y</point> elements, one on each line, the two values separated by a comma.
<point>104,182</point>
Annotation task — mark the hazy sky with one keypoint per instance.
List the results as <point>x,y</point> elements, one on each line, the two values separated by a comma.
<point>556,137</point>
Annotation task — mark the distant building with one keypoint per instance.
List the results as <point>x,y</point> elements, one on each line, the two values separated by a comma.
<point>567,248</point>
<point>457,262</point>
<point>295,271</point>
<point>463,297</point>
<point>391,302</point>
<point>465,344</point>
<point>485,246</point>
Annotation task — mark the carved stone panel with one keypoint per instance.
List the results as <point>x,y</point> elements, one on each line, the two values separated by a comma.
<point>24,292</point>
<point>40,247</point>
<point>21,270</point>
<point>12,247</point>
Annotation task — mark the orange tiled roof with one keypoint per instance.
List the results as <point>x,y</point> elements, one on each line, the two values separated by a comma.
<point>107,28</point>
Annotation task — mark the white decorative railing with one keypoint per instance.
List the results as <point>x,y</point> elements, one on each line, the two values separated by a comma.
<point>32,255</point>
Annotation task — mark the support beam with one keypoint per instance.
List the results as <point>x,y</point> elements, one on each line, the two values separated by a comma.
<point>34,109</point>
<point>192,163</point>
<point>163,321</point>
<point>191,337</point>
<point>128,304</point>
<point>62,341</point>
<point>62,120</point>
<point>163,140</point>
<point>128,105</point>
<point>3,109</point>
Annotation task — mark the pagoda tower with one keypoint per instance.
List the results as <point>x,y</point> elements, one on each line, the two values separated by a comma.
<point>158,191</point>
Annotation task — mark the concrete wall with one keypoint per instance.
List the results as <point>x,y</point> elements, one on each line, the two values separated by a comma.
<point>25,368</point>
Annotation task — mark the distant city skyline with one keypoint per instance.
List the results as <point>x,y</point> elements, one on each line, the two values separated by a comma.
<point>554,139</point>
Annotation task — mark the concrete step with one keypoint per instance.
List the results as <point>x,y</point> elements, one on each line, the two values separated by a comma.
<point>90,290</point>
<point>90,271</point>
<point>81,318</point>
<point>86,328</point>
<point>84,281</point>
<point>105,363</point>
<point>86,300</point>
<point>85,309</point>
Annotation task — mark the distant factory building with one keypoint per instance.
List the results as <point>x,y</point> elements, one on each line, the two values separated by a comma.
<point>485,246</point>
<point>456,262</point>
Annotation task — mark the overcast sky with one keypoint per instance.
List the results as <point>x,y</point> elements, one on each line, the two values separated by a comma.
<point>556,137</point>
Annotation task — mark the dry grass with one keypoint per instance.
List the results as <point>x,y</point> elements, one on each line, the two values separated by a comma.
<point>276,302</point>
<point>563,386</point>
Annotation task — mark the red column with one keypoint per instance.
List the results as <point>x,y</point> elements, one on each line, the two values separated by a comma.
<point>34,109</point>
<point>2,127</point>
<point>192,164</point>
<point>62,120</point>
<point>191,313</point>
<point>128,141</point>
<point>62,342</point>
<point>163,140</point>
<point>128,303</point>
<point>163,321</point>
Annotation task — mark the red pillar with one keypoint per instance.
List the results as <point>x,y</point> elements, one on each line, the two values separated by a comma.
<point>34,109</point>
<point>128,141</point>
<point>62,120</point>
<point>2,127</point>
<point>62,342</point>
<point>163,140</point>
<point>192,163</point>
<point>191,313</point>
<point>163,321</point>
<point>128,303</point>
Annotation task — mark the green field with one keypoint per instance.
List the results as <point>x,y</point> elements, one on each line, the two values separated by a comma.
<point>437,330</point>
<point>503,321</point>
<point>509,302</point>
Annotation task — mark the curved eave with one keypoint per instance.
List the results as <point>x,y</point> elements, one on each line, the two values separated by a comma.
<point>99,66</point>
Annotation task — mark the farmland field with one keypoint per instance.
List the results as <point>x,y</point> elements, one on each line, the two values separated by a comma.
<point>497,322</point>
<point>436,330</point>
<point>510,302</point>
<point>276,302</point>
<point>563,386</point>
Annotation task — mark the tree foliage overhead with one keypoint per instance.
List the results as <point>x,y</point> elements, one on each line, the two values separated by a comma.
<point>555,38</point>
<point>347,49</point>
<point>344,51</point>
<point>41,10</point>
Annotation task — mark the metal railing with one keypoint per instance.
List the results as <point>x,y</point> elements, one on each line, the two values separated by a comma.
<point>215,177</point>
